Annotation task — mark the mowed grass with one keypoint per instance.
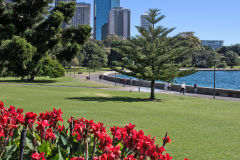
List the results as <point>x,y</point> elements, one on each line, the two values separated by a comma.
<point>201,129</point>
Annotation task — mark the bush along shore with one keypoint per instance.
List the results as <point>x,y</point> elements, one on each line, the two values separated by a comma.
<point>41,137</point>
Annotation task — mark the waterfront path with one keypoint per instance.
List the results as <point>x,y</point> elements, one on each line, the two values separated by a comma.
<point>120,87</point>
<point>95,78</point>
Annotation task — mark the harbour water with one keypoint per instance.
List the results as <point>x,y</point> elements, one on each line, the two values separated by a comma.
<point>224,79</point>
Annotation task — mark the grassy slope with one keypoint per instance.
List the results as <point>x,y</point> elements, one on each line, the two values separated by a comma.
<point>201,129</point>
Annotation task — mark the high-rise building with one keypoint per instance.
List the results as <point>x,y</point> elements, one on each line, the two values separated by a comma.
<point>144,22</point>
<point>82,14</point>
<point>214,44</point>
<point>101,12</point>
<point>119,22</point>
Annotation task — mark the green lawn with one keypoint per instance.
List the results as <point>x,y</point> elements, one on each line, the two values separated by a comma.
<point>201,129</point>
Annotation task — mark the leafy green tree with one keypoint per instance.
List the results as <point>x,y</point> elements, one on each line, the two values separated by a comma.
<point>235,48</point>
<point>223,64</point>
<point>16,54</point>
<point>51,68</point>
<point>151,55</point>
<point>204,58</point>
<point>188,39</point>
<point>110,38</point>
<point>208,48</point>
<point>223,50</point>
<point>94,56</point>
<point>72,41</point>
<point>115,55</point>
<point>231,58</point>
<point>31,21</point>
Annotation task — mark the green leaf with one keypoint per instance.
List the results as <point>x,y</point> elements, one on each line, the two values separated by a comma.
<point>60,155</point>
<point>29,143</point>
<point>120,145</point>
<point>37,136</point>
<point>64,140</point>
<point>8,151</point>
<point>45,147</point>
<point>55,157</point>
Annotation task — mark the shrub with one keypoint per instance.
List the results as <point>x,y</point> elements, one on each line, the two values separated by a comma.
<point>42,137</point>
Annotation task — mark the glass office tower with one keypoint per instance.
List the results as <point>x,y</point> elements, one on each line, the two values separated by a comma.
<point>101,11</point>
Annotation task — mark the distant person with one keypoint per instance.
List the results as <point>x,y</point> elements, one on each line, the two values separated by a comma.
<point>124,82</point>
<point>130,81</point>
<point>183,88</point>
<point>166,86</point>
<point>195,88</point>
<point>169,86</point>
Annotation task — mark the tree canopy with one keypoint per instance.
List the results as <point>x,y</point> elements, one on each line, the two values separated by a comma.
<point>151,55</point>
<point>31,21</point>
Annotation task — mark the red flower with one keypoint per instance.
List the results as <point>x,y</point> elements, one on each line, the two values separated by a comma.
<point>41,125</point>
<point>186,159</point>
<point>20,110</point>
<point>60,128</point>
<point>1,105</point>
<point>49,134</point>
<point>168,139</point>
<point>36,156</point>
<point>30,118</point>
<point>130,157</point>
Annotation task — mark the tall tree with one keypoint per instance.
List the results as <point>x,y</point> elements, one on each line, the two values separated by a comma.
<point>204,58</point>
<point>115,55</point>
<point>231,58</point>
<point>188,39</point>
<point>94,56</point>
<point>150,55</point>
<point>16,58</point>
<point>31,21</point>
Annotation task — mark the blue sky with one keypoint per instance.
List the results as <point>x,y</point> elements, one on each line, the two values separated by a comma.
<point>209,19</point>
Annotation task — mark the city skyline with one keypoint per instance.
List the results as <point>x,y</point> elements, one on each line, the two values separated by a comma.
<point>210,20</point>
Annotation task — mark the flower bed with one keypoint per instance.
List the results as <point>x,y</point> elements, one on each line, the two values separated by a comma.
<point>39,137</point>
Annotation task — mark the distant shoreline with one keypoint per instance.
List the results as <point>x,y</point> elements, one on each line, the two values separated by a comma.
<point>211,69</point>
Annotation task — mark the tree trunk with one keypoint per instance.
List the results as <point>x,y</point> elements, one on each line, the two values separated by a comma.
<point>32,78</point>
<point>152,89</point>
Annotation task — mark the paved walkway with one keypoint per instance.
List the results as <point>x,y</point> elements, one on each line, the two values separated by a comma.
<point>95,77</point>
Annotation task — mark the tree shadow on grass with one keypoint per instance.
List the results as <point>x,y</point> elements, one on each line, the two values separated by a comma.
<point>113,99</point>
<point>26,81</point>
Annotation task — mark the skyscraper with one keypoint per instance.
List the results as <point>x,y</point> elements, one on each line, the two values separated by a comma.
<point>82,14</point>
<point>119,22</point>
<point>144,22</point>
<point>101,12</point>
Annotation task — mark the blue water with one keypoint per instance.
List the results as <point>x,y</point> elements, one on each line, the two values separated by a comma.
<point>224,79</point>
